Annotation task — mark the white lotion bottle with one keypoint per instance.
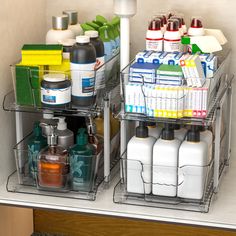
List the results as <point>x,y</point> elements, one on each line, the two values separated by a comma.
<point>180,132</point>
<point>172,37</point>
<point>139,160</point>
<point>59,30</point>
<point>165,163</point>
<point>207,136</point>
<point>193,166</point>
<point>154,130</point>
<point>74,26</point>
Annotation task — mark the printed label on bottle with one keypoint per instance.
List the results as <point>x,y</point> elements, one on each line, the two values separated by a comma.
<point>56,96</point>
<point>83,79</point>
<point>154,44</point>
<point>171,45</point>
<point>100,73</point>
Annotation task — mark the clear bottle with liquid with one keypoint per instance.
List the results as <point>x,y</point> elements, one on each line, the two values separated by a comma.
<point>53,165</point>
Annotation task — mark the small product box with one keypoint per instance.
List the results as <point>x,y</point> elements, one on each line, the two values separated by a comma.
<point>173,58</point>
<point>143,73</point>
<point>41,54</point>
<point>150,57</point>
<point>209,64</point>
<point>170,75</point>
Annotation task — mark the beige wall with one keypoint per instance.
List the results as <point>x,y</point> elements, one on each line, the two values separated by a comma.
<point>20,22</point>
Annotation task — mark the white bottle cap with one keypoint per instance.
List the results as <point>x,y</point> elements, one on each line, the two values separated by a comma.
<point>67,42</point>
<point>82,39</point>
<point>54,77</point>
<point>91,33</point>
<point>47,114</point>
<point>61,125</point>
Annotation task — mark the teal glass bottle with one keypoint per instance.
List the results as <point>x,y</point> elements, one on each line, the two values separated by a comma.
<point>35,144</point>
<point>82,163</point>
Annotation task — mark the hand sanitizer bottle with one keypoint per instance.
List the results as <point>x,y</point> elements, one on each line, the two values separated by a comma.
<point>165,163</point>
<point>139,160</point>
<point>59,30</point>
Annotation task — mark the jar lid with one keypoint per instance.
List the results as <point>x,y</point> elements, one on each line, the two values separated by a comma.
<point>91,33</point>
<point>54,77</point>
<point>73,16</point>
<point>60,22</point>
<point>82,39</point>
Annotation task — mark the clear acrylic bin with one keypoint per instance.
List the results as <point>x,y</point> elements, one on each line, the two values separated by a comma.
<point>81,182</point>
<point>185,188</point>
<point>27,87</point>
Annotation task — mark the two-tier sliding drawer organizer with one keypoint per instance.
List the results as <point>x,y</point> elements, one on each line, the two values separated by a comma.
<point>89,170</point>
<point>183,186</point>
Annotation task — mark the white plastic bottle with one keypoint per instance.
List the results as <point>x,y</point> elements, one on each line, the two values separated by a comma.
<point>165,163</point>
<point>153,130</point>
<point>180,133</point>
<point>59,30</point>
<point>196,27</point>
<point>172,37</point>
<point>154,36</point>
<point>181,30</point>
<point>139,160</point>
<point>65,136</point>
<point>207,136</point>
<point>74,26</point>
<point>193,166</point>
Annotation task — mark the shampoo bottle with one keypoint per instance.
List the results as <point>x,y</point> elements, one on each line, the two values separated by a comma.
<point>193,166</point>
<point>35,144</point>
<point>154,36</point>
<point>74,26</point>
<point>53,165</point>
<point>82,163</point>
<point>65,136</point>
<point>59,30</point>
<point>139,160</point>
<point>165,163</point>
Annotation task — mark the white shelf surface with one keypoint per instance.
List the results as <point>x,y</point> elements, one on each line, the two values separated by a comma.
<point>221,214</point>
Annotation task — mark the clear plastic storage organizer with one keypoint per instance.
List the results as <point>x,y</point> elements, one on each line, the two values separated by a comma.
<point>78,179</point>
<point>191,186</point>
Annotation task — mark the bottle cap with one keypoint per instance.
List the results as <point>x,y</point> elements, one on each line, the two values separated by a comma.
<point>82,137</point>
<point>178,19</point>
<point>176,126</point>
<point>168,133</point>
<point>142,130</point>
<point>193,135</point>
<point>47,114</point>
<point>155,24</point>
<point>54,77</point>
<point>151,124</point>
<point>196,23</point>
<point>82,39</point>
<point>61,125</point>
<point>67,42</point>
<point>91,33</point>
<point>160,17</point>
<point>72,15</point>
<point>172,25</point>
<point>60,22</point>
<point>201,128</point>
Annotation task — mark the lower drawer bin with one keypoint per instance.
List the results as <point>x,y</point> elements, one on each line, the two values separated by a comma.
<point>79,182</point>
<point>184,188</point>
